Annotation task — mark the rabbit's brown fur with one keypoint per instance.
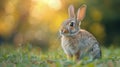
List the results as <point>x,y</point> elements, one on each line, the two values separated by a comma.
<point>83,41</point>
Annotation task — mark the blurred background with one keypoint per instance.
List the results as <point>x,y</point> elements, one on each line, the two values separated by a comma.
<point>37,22</point>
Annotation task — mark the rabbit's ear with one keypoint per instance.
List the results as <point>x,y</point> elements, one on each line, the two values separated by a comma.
<point>81,12</point>
<point>71,11</point>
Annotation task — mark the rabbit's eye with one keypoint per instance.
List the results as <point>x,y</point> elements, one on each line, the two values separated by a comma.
<point>71,24</point>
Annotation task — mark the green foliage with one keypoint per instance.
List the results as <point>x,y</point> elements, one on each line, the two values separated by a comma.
<point>28,57</point>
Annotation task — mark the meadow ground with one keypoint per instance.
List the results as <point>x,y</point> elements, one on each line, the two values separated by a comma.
<point>29,56</point>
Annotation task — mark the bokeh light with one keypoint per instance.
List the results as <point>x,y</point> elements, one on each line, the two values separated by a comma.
<point>38,21</point>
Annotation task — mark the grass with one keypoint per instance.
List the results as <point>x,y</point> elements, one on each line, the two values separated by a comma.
<point>29,56</point>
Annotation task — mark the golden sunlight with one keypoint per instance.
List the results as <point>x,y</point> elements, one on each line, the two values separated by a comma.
<point>39,9</point>
<point>54,4</point>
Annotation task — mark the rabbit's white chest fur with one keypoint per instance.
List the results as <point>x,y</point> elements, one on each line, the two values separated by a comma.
<point>69,46</point>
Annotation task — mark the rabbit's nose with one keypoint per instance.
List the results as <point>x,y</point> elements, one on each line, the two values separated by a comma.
<point>64,31</point>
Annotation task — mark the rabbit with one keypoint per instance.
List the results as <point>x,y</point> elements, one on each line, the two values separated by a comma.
<point>76,41</point>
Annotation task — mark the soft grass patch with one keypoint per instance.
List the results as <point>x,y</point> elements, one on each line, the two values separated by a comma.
<point>28,56</point>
